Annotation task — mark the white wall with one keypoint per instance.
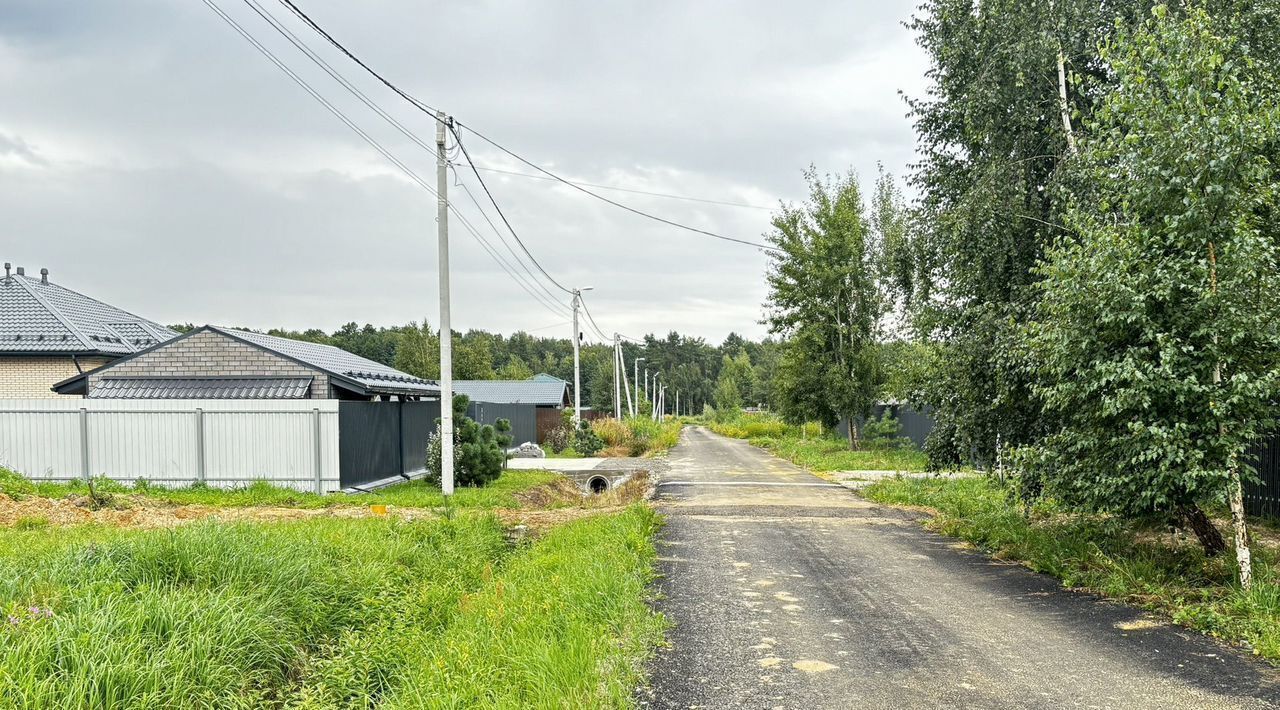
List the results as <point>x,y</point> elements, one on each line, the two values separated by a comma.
<point>159,441</point>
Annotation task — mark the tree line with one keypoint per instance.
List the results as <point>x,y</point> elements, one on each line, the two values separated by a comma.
<point>1088,274</point>
<point>688,364</point>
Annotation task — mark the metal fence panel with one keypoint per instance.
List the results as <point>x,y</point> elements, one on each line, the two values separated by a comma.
<point>418,421</point>
<point>1263,498</point>
<point>173,442</point>
<point>914,425</point>
<point>523,418</point>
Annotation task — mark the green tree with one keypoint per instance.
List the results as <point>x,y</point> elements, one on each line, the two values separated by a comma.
<point>418,352</point>
<point>825,301</point>
<point>728,396</point>
<point>515,369</point>
<point>1156,346</point>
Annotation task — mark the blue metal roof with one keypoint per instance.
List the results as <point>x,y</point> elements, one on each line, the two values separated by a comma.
<point>513,391</point>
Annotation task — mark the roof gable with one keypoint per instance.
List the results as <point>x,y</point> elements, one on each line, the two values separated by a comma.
<point>37,316</point>
<point>372,375</point>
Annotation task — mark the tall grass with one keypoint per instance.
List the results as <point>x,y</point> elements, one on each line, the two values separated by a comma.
<point>566,625</point>
<point>819,449</point>
<point>1120,559</point>
<point>637,436</point>
<point>211,615</point>
<point>411,494</point>
<point>327,614</point>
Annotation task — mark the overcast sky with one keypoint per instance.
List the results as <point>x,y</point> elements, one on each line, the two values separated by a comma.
<point>151,158</point>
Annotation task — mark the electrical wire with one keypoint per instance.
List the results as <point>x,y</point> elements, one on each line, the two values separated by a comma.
<point>458,139</point>
<point>592,321</point>
<point>627,189</point>
<point>351,88</point>
<point>248,36</point>
<point>425,108</point>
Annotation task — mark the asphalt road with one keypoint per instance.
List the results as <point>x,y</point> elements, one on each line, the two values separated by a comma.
<point>786,591</point>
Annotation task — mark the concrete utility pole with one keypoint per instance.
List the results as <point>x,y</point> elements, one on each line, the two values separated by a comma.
<point>635,376</point>
<point>577,377</point>
<point>677,403</point>
<point>617,376</point>
<point>646,390</point>
<point>577,369</point>
<point>656,394</point>
<point>446,327</point>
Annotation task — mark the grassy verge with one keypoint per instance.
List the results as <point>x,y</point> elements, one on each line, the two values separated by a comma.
<point>818,450</point>
<point>327,613</point>
<point>411,494</point>
<point>1123,560</point>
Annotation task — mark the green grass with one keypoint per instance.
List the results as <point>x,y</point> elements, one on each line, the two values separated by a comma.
<point>831,454</point>
<point>820,450</point>
<point>1123,560</point>
<point>411,494</point>
<point>327,613</point>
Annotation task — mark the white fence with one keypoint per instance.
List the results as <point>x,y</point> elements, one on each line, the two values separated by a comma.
<point>223,443</point>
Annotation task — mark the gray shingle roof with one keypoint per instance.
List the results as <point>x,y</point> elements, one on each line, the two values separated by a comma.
<point>512,391</point>
<point>202,388</point>
<point>374,376</point>
<point>37,317</point>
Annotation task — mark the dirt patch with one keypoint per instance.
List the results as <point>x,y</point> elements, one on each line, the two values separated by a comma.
<point>541,508</point>
<point>141,512</point>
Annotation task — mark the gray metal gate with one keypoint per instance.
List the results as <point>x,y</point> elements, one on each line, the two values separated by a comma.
<point>523,418</point>
<point>377,440</point>
<point>1263,498</point>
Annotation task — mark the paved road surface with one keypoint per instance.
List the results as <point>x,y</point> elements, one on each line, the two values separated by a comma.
<point>789,592</point>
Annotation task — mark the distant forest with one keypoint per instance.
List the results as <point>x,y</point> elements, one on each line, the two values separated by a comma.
<point>687,364</point>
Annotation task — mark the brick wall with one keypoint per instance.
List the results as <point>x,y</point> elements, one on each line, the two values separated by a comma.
<point>211,354</point>
<point>31,376</point>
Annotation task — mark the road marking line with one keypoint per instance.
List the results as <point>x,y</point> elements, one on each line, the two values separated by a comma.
<point>750,483</point>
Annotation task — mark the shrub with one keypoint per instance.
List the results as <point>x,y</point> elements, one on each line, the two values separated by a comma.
<point>586,441</point>
<point>882,433</point>
<point>557,440</point>
<point>612,432</point>
<point>15,485</point>
<point>479,451</point>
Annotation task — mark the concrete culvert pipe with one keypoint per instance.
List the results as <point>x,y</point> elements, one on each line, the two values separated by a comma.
<point>598,484</point>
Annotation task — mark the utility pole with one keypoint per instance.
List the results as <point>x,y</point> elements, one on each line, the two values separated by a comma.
<point>577,376</point>
<point>617,376</point>
<point>656,394</point>
<point>446,327</point>
<point>646,389</point>
<point>677,403</point>
<point>577,369</point>
<point>635,377</point>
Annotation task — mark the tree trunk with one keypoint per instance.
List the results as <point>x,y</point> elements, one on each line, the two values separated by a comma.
<point>853,434</point>
<point>1206,532</point>
<point>1244,557</point>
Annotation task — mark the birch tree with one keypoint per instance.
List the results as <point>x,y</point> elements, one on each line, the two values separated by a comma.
<point>1156,344</point>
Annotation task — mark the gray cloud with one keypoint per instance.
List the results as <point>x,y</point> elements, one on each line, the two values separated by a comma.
<point>150,157</point>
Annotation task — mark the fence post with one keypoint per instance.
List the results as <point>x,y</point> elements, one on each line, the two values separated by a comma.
<point>200,473</point>
<point>319,471</point>
<point>84,444</point>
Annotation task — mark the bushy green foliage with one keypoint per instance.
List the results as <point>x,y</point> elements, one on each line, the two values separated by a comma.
<point>479,450</point>
<point>1156,344</point>
<point>1133,561</point>
<point>585,439</point>
<point>819,449</point>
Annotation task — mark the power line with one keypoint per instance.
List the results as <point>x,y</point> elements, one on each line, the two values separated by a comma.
<point>248,36</point>
<point>427,109</point>
<point>351,88</point>
<point>615,203</point>
<point>457,138</point>
<point>592,320</point>
<point>668,195</point>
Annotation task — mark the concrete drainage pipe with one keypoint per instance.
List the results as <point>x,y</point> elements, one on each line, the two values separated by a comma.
<point>598,485</point>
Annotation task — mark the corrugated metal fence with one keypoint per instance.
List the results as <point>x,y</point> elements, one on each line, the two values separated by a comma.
<point>1263,498</point>
<point>523,418</point>
<point>223,443</point>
